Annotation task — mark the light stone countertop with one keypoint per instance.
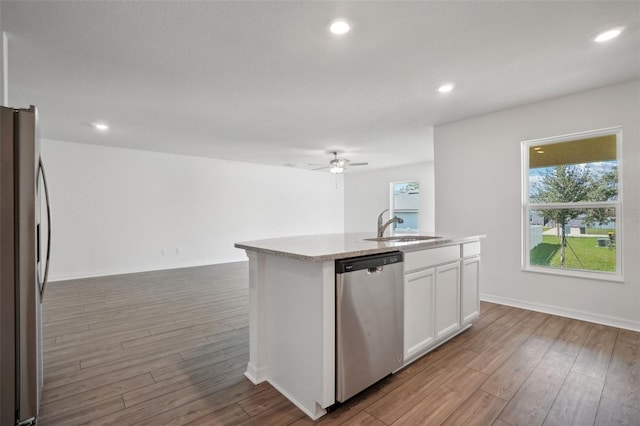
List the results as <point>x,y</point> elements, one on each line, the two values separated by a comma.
<point>319,248</point>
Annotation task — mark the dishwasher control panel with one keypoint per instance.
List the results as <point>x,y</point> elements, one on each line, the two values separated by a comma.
<point>367,262</point>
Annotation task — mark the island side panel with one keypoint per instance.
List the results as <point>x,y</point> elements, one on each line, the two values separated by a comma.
<point>256,368</point>
<point>298,332</point>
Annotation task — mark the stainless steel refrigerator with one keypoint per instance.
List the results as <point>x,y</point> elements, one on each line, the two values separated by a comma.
<point>24,263</point>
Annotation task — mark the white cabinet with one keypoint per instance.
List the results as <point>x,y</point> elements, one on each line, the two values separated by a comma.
<point>447,299</point>
<point>419,321</point>
<point>431,298</point>
<point>470,288</point>
<point>441,295</point>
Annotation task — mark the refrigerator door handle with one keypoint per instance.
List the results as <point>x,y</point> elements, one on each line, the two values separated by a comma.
<point>46,196</point>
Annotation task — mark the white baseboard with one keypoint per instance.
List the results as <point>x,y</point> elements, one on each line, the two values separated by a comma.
<point>564,312</point>
<point>256,375</point>
<point>315,412</point>
<point>107,273</point>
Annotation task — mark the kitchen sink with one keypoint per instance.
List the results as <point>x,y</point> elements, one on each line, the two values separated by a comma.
<point>403,238</point>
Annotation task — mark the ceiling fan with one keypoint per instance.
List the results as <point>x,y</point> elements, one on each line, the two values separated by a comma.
<point>337,165</point>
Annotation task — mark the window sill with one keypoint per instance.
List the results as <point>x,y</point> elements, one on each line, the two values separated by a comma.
<point>572,273</point>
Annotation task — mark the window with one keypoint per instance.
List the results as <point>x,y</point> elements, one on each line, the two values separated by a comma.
<point>571,211</point>
<point>405,198</point>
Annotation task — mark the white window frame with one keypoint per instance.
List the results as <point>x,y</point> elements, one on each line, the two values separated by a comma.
<point>527,207</point>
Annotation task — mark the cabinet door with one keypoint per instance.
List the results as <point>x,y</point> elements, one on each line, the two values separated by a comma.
<point>470,289</point>
<point>447,299</point>
<point>419,331</point>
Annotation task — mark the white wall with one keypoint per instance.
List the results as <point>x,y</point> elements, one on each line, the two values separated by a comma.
<point>118,210</point>
<point>366,194</point>
<point>477,175</point>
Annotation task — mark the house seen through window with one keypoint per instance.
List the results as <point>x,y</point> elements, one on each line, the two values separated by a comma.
<point>571,204</point>
<point>405,198</point>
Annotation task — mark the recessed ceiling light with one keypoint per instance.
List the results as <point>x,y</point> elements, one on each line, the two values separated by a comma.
<point>445,88</point>
<point>607,35</point>
<point>540,151</point>
<point>100,126</point>
<point>339,27</point>
<point>537,148</point>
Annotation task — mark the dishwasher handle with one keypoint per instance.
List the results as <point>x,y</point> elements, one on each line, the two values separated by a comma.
<point>375,270</point>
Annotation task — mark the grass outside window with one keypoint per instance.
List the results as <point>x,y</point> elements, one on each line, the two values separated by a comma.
<point>584,254</point>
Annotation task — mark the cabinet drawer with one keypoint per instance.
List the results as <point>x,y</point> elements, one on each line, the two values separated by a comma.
<point>414,260</point>
<point>471,249</point>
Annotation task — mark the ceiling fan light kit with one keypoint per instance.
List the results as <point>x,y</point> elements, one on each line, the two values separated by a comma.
<point>337,165</point>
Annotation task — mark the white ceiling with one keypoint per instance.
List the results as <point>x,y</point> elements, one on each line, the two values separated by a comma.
<point>265,82</point>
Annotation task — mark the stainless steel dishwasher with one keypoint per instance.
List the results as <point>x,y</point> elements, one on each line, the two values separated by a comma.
<point>369,321</point>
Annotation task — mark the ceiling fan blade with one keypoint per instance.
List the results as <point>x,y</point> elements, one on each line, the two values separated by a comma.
<point>358,164</point>
<point>314,164</point>
<point>320,168</point>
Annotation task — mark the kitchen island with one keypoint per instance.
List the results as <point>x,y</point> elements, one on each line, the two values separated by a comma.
<point>292,305</point>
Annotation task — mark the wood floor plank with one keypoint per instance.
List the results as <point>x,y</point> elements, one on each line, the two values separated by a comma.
<point>263,401</point>
<point>225,370</point>
<point>213,395</point>
<point>486,318</point>
<point>228,416</point>
<point>396,403</point>
<point>480,409</point>
<point>241,335</point>
<point>507,379</point>
<point>181,335</point>
<point>390,383</point>
<point>136,363</point>
<point>595,355</point>
<point>54,330</point>
<point>345,411</point>
<point>363,419</point>
<point>124,356</point>
<point>534,320</point>
<point>282,414</point>
<point>572,338</point>
<point>111,330</point>
<point>94,396</point>
<point>497,353</point>
<point>190,411</point>
<point>111,339</point>
<point>393,405</point>
<point>437,407</point>
<point>496,329</point>
<point>228,349</point>
<point>623,388</point>
<point>551,328</point>
<point>577,403</point>
<point>61,368</point>
<point>73,385</point>
<point>613,413</point>
<point>623,376</point>
<point>530,405</point>
<point>85,414</point>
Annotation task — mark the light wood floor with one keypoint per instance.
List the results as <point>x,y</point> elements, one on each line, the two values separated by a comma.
<point>170,347</point>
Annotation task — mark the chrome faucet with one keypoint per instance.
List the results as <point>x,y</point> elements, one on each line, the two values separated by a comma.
<point>381,227</point>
